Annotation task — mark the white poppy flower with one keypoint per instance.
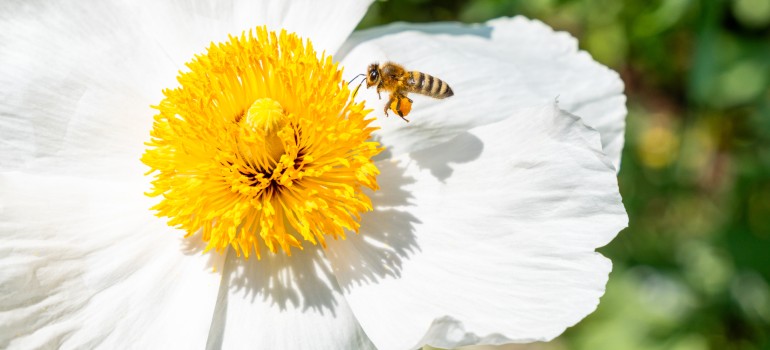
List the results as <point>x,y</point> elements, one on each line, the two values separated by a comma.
<point>483,231</point>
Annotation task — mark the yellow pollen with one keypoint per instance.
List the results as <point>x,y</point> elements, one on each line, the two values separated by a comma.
<point>261,146</point>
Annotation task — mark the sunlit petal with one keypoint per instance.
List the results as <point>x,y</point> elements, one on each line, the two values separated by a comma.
<point>86,265</point>
<point>487,238</point>
<point>78,74</point>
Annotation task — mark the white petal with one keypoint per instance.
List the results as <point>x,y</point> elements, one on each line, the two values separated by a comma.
<point>283,302</point>
<point>493,68</point>
<point>78,78</point>
<point>326,23</point>
<point>489,240</point>
<point>86,264</point>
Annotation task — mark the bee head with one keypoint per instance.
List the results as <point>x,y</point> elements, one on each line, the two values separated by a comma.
<point>372,75</point>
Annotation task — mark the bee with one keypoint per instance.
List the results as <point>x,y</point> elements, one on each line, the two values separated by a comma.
<point>392,77</point>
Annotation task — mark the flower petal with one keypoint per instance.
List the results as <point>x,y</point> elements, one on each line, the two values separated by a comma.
<point>199,22</point>
<point>491,240</point>
<point>503,65</point>
<point>78,78</point>
<point>283,302</point>
<point>86,265</point>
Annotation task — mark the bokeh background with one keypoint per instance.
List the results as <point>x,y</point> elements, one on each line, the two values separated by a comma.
<point>692,271</point>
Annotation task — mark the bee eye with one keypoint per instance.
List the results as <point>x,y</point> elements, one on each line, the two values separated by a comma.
<point>373,75</point>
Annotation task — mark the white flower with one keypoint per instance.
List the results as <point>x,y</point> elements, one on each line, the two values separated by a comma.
<point>491,204</point>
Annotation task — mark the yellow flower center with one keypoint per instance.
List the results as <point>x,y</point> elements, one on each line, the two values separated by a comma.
<point>262,144</point>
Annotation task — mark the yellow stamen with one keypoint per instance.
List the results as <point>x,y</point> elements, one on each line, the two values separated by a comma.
<point>262,144</point>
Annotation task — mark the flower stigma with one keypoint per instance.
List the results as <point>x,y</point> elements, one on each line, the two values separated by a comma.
<point>261,145</point>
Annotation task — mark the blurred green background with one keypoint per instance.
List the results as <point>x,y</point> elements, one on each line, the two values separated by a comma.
<point>692,270</point>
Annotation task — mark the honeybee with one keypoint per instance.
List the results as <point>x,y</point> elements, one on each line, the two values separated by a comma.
<point>392,77</point>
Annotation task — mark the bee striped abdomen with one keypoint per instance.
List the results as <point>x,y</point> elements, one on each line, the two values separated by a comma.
<point>429,85</point>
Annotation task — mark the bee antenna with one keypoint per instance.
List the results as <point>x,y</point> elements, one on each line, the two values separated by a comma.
<point>355,92</point>
<point>356,77</point>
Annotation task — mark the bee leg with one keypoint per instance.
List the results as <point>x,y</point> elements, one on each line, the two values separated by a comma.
<point>387,105</point>
<point>398,107</point>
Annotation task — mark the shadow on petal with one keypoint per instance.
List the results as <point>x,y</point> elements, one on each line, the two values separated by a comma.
<point>387,235</point>
<point>302,280</point>
<point>194,245</point>
<point>300,283</point>
<point>305,280</point>
<point>454,332</point>
<point>388,238</point>
<point>463,148</point>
